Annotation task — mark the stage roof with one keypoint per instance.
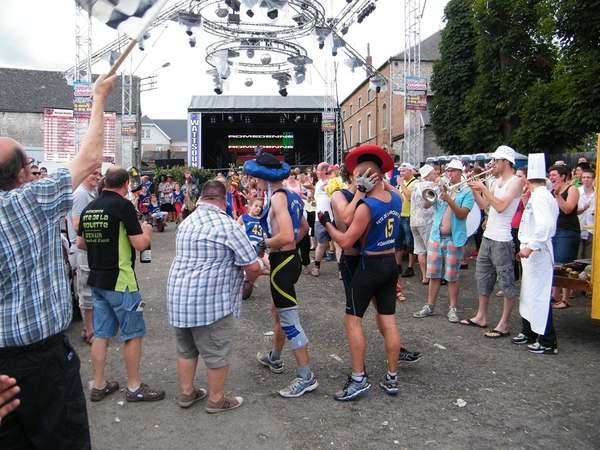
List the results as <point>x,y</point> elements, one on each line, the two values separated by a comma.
<point>276,103</point>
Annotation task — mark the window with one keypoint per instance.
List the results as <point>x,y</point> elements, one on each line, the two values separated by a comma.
<point>350,134</point>
<point>369,93</point>
<point>359,102</point>
<point>146,132</point>
<point>384,116</point>
<point>369,132</point>
<point>343,114</point>
<point>351,109</point>
<point>359,131</point>
<point>159,148</point>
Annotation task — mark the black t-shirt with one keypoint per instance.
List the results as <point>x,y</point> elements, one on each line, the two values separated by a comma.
<point>105,225</point>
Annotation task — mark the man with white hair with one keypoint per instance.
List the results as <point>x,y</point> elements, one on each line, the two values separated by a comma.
<point>496,257</point>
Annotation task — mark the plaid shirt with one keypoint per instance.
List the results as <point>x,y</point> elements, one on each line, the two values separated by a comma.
<point>206,277</point>
<point>35,302</point>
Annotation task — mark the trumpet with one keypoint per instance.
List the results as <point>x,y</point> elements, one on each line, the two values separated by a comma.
<point>433,195</point>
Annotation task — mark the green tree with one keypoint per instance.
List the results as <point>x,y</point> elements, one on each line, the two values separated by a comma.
<point>515,61</point>
<point>453,78</point>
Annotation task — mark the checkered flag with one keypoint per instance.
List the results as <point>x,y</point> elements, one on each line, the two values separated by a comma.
<point>132,17</point>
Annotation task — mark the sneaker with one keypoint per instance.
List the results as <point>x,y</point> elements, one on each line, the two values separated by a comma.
<point>299,386</point>
<point>408,357</point>
<point>352,389</point>
<point>389,385</point>
<point>276,366</point>
<point>427,310</point>
<point>408,272</point>
<point>228,403</point>
<point>315,272</point>
<point>452,316</point>
<point>330,256</point>
<point>185,400</point>
<point>144,394</point>
<point>541,350</point>
<point>522,339</point>
<point>99,394</point>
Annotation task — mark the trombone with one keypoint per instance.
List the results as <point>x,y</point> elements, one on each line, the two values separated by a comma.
<point>432,195</point>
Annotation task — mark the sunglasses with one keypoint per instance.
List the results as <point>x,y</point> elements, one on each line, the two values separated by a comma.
<point>493,160</point>
<point>36,173</point>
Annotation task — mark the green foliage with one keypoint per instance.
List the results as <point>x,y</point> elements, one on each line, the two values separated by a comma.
<point>520,72</point>
<point>178,172</point>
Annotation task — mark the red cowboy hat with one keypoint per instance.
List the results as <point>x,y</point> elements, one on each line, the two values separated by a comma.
<point>372,153</point>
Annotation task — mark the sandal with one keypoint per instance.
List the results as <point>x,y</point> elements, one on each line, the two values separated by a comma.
<point>90,338</point>
<point>400,296</point>
<point>561,305</point>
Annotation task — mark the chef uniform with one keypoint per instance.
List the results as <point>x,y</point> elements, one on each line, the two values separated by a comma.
<point>537,227</point>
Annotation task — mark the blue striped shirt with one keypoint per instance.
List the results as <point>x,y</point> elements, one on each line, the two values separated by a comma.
<point>35,302</point>
<point>206,277</point>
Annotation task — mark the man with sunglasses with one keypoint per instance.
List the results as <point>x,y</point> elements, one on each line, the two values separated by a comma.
<point>496,256</point>
<point>36,303</point>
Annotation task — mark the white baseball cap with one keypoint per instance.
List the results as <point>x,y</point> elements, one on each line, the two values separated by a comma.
<point>426,170</point>
<point>504,152</point>
<point>406,166</point>
<point>456,164</point>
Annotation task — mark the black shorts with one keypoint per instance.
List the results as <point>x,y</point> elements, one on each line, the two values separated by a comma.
<point>285,271</point>
<point>348,265</point>
<point>376,276</point>
<point>52,413</point>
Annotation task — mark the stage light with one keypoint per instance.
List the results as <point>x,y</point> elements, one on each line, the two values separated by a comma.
<point>233,4</point>
<point>249,82</point>
<point>265,59</point>
<point>192,41</point>
<point>230,119</point>
<point>249,13</point>
<point>337,43</point>
<point>297,119</point>
<point>283,79</point>
<point>217,81</point>
<point>221,12</point>
<point>250,53</point>
<point>273,14</point>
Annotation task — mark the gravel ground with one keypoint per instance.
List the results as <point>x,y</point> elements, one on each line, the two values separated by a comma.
<point>513,399</point>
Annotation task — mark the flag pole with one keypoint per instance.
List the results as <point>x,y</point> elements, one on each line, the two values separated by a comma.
<point>119,61</point>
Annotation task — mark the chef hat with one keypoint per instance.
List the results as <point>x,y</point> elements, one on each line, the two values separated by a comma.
<point>536,166</point>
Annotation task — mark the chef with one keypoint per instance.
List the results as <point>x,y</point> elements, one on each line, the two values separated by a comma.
<point>537,227</point>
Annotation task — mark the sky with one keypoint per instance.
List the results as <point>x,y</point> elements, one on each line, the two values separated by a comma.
<point>40,34</point>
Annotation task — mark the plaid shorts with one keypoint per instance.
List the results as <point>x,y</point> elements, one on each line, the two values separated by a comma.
<point>443,259</point>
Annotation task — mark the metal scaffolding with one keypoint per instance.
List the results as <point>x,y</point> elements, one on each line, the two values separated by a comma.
<point>82,71</point>
<point>413,135</point>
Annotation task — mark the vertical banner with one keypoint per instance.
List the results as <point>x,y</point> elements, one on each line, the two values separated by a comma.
<point>129,125</point>
<point>82,99</point>
<point>194,139</point>
<point>328,122</point>
<point>416,94</point>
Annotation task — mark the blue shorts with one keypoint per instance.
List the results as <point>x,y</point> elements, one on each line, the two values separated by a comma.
<point>114,310</point>
<point>405,234</point>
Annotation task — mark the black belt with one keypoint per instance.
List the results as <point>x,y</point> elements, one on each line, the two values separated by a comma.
<point>17,352</point>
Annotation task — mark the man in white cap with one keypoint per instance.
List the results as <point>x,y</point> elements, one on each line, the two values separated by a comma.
<point>446,241</point>
<point>421,218</point>
<point>538,225</point>
<point>497,255</point>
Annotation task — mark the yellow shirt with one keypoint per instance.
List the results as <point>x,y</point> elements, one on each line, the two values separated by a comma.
<point>406,203</point>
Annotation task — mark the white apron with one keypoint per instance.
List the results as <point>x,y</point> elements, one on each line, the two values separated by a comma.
<point>536,287</point>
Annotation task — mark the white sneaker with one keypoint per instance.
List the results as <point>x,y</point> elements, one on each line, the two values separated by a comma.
<point>427,310</point>
<point>452,316</point>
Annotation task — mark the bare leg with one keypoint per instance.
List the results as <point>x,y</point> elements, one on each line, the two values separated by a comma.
<point>320,251</point>
<point>279,334</point>
<point>509,303</point>
<point>186,368</point>
<point>434,289</point>
<point>216,383</point>
<point>481,316</point>
<point>99,347</point>
<point>423,265</point>
<point>453,292</point>
<point>132,353</point>
<point>356,342</point>
<point>391,336</point>
<point>87,315</point>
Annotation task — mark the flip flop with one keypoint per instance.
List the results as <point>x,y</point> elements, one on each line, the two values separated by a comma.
<point>400,296</point>
<point>90,338</point>
<point>499,334</point>
<point>561,305</point>
<point>469,322</point>
<point>425,282</point>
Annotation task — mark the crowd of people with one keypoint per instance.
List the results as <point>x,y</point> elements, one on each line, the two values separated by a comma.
<point>365,214</point>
